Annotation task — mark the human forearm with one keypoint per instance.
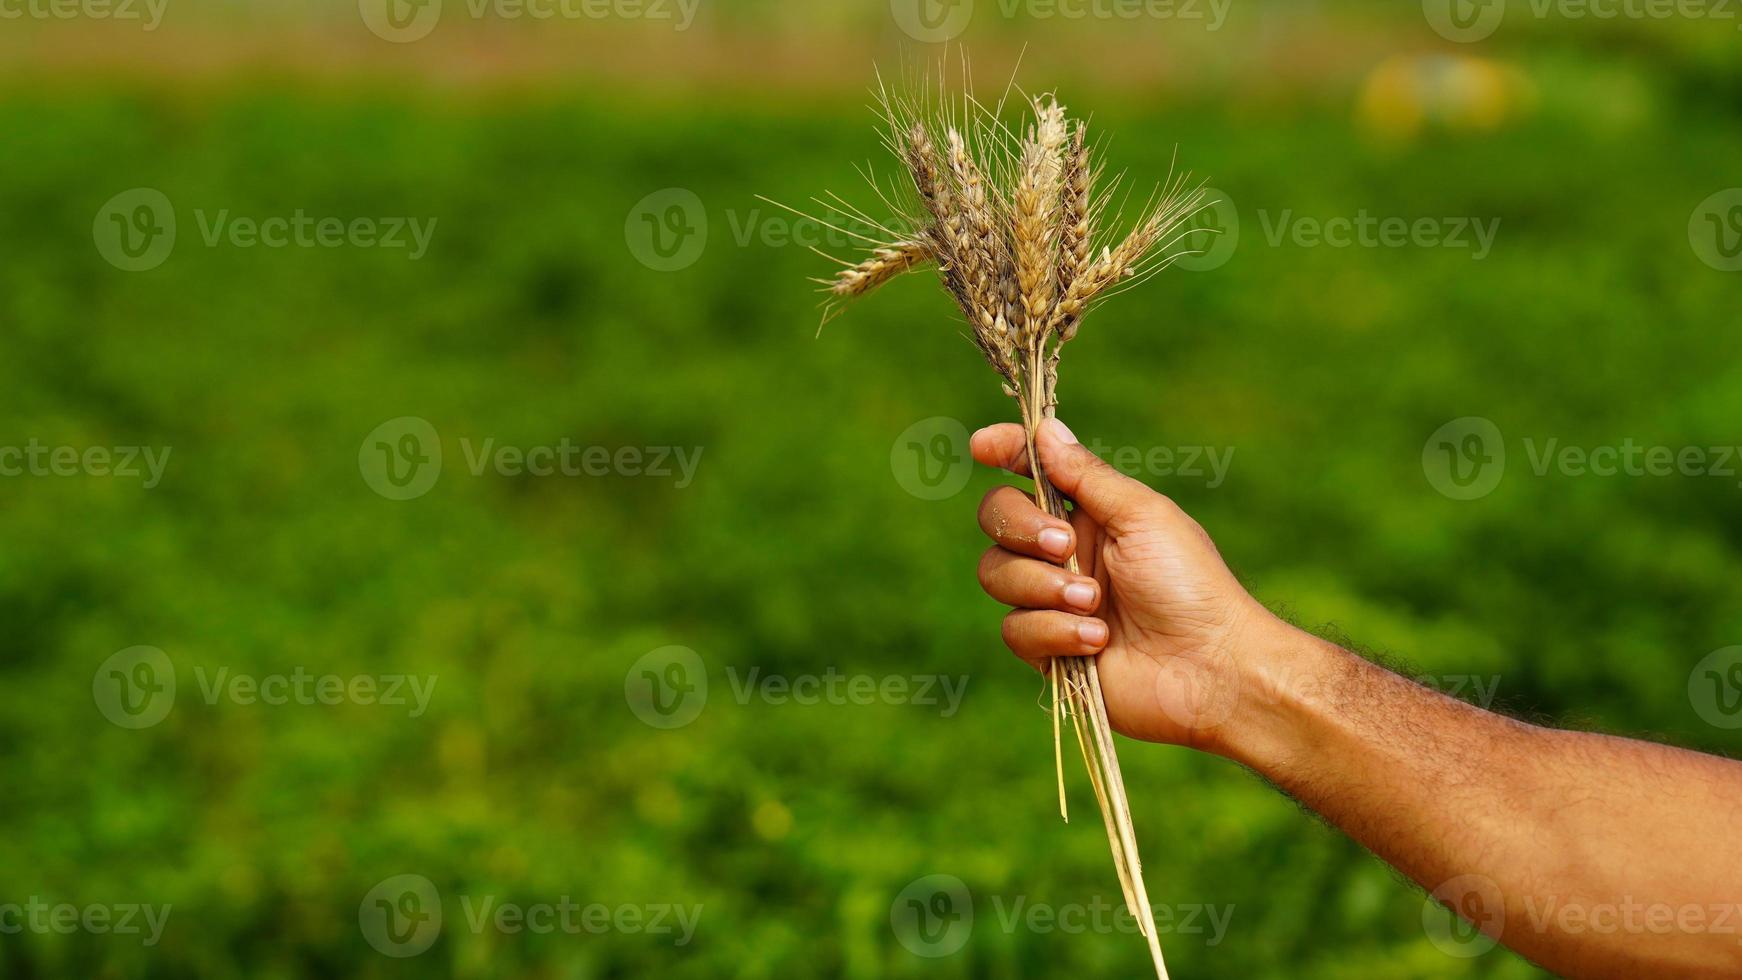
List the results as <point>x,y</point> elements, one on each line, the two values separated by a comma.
<point>1575,845</point>
<point>1588,840</point>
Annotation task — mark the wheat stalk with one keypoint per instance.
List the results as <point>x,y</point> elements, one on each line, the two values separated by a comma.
<point>1009,217</point>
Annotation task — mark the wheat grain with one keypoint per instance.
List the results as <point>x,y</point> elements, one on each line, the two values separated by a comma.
<point>1036,226</point>
<point>981,254</point>
<point>1076,245</point>
<point>886,263</point>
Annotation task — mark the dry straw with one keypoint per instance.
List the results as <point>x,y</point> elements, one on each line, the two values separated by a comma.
<point>1013,216</point>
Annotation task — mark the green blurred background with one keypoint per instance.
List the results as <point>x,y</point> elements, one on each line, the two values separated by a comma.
<point>532,318</point>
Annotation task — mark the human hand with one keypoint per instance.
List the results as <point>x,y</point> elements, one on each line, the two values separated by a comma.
<point>1154,597</point>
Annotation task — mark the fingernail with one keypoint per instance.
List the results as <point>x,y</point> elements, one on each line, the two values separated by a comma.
<point>1062,431</point>
<point>1093,633</point>
<point>1055,542</point>
<point>1081,595</point>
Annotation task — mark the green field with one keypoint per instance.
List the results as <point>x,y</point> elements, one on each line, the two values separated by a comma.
<point>795,551</point>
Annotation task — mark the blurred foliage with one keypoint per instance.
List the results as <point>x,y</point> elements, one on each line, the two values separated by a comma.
<point>795,551</point>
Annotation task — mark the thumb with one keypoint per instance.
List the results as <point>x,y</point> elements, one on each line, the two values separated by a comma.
<point>1113,499</point>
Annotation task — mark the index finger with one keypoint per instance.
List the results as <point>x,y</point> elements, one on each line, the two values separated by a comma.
<point>1004,445</point>
<point>1009,517</point>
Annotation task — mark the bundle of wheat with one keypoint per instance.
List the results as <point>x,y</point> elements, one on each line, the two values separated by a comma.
<point>1010,219</point>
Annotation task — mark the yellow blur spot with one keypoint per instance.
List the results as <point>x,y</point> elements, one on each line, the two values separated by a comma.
<point>1406,95</point>
<point>772,820</point>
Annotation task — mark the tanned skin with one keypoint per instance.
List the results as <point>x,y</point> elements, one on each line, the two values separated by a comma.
<point>1609,857</point>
